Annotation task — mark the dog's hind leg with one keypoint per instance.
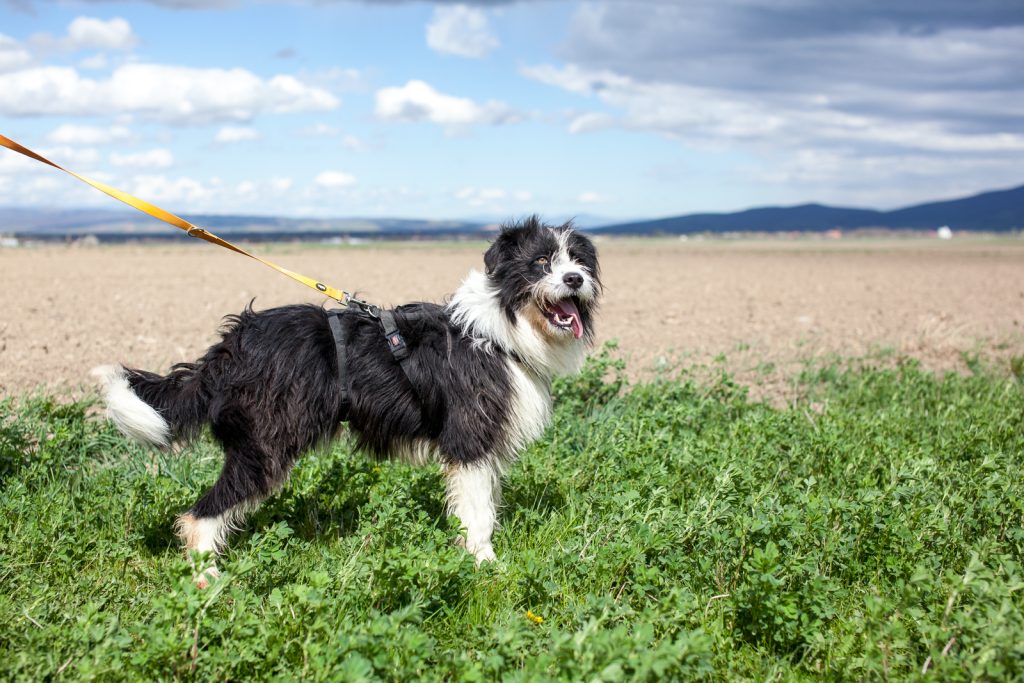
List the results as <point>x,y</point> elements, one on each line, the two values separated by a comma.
<point>474,493</point>
<point>242,485</point>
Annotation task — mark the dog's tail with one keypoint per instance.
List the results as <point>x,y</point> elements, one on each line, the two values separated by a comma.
<point>155,409</point>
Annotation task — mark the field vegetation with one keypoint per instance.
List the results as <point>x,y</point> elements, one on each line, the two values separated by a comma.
<point>873,528</point>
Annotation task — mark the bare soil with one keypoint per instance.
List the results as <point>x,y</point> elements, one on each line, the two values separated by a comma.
<point>766,307</point>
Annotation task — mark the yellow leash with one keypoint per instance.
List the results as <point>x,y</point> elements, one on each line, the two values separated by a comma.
<point>169,218</point>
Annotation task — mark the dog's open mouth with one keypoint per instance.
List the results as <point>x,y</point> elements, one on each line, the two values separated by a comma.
<point>564,315</point>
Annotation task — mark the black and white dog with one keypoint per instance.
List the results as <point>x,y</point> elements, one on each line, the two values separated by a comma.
<point>473,393</point>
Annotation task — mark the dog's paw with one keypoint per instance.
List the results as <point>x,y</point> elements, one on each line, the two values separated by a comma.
<point>484,553</point>
<point>203,579</point>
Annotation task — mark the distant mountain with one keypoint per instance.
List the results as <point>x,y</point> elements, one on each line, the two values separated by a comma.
<point>72,221</point>
<point>992,211</point>
<point>997,211</point>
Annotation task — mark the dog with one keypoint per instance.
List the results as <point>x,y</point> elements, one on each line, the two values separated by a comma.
<point>471,394</point>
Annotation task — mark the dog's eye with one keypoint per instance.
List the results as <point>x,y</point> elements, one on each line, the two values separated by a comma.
<point>541,261</point>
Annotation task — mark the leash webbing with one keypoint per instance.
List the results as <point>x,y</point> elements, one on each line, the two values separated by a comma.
<point>176,221</point>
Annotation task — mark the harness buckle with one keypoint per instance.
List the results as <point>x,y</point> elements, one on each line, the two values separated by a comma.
<point>396,342</point>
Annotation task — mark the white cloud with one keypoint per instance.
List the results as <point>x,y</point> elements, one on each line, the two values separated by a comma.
<point>572,78</point>
<point>190,194</point>
<point>460,30</point>
<point>590,198</point>
<point>12,54</point>
<point>72,134</point>
<point>707,117</point>
<point>590,121</point>
<point>175,94</point>
<point>73,157</point>
<point>15,163</point>
<point>229,134</point>
<point>95,62</point>
<point>491,197</point>
<point>891,105</point>
<point>246,188</point>
<point>491,193</point>
<point>337,79</point>
<point>33,187</point>
<point>182,190</point>
<point>883,180</point>
<point>353,144</point>
<point>292,95</point>
<point>85,33</point>
<point>37,185</point>
<point>334,179</point>
<point>418,101</point>
<point>154,158</point>
<point>320,130</point>
<point>667,108</point>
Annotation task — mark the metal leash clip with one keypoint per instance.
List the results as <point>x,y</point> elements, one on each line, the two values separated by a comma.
<point>371,310</point>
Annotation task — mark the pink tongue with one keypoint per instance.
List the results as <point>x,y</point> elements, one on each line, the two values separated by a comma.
<point>567,308</point>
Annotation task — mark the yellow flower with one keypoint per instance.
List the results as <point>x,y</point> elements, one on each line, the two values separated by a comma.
<point>535,618</point>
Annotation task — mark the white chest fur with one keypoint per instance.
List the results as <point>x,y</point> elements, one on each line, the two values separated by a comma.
<point>530,409</point>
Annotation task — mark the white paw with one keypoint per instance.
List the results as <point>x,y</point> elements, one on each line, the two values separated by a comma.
<point>484,553</point>
<point>204,577</point>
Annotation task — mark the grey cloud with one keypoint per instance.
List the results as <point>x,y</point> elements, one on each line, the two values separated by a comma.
<point>821,70</point>
<point>828,96</point>
<point>28,5</point>
<point>770,46</point>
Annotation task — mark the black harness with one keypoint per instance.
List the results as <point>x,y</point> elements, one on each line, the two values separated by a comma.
<point>394,339</point>
<point>341,352</point>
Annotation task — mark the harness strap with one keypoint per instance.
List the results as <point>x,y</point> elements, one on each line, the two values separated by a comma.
<point>396,344</point>
<point>395,341</point>
<point>341,349</point>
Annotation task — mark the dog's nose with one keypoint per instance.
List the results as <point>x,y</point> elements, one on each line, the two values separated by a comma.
<point>574,280</point>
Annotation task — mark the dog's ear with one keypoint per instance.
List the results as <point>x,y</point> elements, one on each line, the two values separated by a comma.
<point>510,241</point>
<point>503,248</point>
<point>493,255</point>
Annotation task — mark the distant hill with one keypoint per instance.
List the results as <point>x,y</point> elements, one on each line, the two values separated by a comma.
<point>998,211</point>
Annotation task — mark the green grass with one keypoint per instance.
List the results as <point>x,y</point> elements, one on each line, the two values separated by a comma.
<point>674,530</point>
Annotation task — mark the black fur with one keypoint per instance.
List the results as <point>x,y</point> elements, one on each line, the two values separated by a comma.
<point>269,389</point>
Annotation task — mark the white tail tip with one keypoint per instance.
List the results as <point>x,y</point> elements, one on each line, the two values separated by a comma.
<point>133,416</point>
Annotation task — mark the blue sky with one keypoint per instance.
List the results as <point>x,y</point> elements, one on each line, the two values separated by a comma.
<point>619,109</point>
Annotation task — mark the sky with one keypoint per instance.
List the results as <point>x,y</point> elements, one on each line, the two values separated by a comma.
<point>619,109</point>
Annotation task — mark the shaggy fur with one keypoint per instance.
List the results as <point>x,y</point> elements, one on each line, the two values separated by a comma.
<point>473,394</point>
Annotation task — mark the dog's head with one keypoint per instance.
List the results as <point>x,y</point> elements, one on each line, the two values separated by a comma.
<point>548,276</point>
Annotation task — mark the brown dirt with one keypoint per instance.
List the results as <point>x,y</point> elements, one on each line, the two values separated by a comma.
<point>767,306</point>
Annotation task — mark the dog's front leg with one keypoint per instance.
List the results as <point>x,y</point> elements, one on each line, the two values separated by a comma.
<point>474,492</point>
